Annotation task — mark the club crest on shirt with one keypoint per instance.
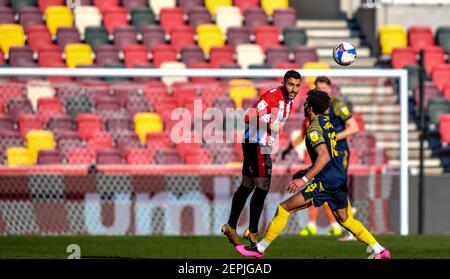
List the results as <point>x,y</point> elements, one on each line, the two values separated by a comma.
<point>314,136</point>
<point>345,111</point>
<point>262,105</point>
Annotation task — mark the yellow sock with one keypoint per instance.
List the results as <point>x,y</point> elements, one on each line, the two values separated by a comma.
<point>277,224</point>
<point>349,210</point>
<point>359,231</point>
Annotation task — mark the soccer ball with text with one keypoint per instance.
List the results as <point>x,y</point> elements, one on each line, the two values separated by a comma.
<point>344,54</point>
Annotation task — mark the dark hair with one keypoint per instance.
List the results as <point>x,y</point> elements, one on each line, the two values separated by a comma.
<point>292,74</point>
<point>318,100</point>
<point>322,79</point>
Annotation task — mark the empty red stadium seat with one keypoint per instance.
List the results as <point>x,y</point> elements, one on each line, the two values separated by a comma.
<point>171,17</point>
<point>433,56</point>
<point>38,36</point>
<point>267,35</point>
<point>43,4</point>
<point>185,148</point>
<point>420,37</point>
<point>287,65</point>
<point>440,74</point>
<point>104,5</point>
<point>157,140</point>
<point>163,53</point>
<point>50,56</point>
<point>135,55</point>
<point>181,36</point>
<point>402,57</point>
<point>113,17</point>
<point>48,107</point>
<point>88,124</point>
<point>243,5</point>
<point>109,156</point>
<point>139,156</point>
<point>221,55</point>
<point>202,157</point>
<point>100,140</point>
<point>28,122</point>
<point>444,128</point>
<point>77,156</point>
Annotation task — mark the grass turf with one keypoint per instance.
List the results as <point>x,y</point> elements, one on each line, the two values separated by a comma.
<point>164,247</point>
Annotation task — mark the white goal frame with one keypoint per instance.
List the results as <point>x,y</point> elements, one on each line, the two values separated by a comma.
<point>402,75</point>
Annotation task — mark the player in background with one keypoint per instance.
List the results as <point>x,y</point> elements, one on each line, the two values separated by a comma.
<point>263,122</point>
<point>345,126</point>
<point>326,181</point>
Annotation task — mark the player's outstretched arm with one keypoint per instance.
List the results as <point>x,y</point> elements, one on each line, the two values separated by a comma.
<point>322,160</point>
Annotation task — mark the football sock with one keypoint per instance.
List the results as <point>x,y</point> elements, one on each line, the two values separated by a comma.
<point>262,246</point>
<point>359,231</point>
<point>349,209</point>
<point>256,207</point>
<point>313,212</point>
<point>276,226</point>
<point>237,204</point>
<point>377,248</point>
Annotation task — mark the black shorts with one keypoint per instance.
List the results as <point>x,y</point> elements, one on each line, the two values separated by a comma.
<point>257,161</point>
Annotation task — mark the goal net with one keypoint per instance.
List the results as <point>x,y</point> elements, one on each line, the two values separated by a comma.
<point>158,151</point>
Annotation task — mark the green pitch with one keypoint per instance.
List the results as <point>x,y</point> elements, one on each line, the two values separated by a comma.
<point>286,247</point>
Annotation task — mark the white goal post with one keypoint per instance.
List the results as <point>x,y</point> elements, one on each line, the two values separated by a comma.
<point>252,73</point>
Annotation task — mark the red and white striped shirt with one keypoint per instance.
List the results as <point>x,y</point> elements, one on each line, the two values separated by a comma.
<point>271,107</point>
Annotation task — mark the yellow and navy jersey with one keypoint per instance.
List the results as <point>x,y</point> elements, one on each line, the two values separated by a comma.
<point>321,131</point>
<point>338,114</point>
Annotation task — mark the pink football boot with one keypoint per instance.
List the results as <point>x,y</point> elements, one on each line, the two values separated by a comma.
<point>381,256</point>
<point>249,251</point>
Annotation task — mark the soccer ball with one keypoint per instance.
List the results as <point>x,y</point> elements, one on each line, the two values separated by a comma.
<point>344,54</point>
